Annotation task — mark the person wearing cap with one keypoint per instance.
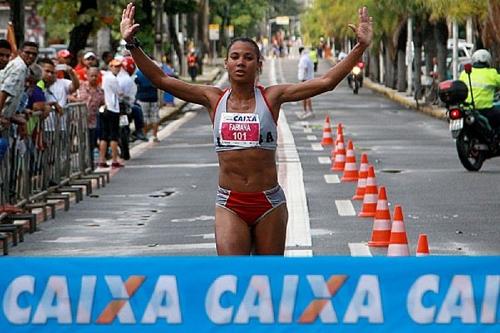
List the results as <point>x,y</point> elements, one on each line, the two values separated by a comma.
<point>89,60</point>
<point>110,118</point>
<point>63,58</point>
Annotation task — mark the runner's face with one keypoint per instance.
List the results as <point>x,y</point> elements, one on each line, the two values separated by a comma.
<point>242,62</point>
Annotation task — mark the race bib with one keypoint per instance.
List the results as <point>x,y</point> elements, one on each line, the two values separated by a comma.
<point>239,129</point>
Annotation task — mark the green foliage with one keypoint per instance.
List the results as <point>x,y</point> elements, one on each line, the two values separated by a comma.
<point>245,15</point>
<point>172,7</point>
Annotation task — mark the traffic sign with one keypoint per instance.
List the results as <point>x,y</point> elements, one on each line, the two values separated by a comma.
<point>213,31</point>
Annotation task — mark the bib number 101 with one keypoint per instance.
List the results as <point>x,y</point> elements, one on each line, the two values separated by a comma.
<point>239,136</point>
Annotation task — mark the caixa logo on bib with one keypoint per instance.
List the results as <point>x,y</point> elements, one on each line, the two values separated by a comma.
<point>245,117</point>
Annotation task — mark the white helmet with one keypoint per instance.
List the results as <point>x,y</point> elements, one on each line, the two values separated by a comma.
<point>481,55</point>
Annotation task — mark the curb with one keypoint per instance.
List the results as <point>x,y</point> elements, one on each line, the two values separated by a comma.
<point>398,97</point>
<point>408,102</point>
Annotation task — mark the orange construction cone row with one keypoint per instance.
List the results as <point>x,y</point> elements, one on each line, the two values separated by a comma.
<point>339,162</point>
<point>423,246</point>
<point>363,172</point>
<point>398,244</point>
<point>381,232</point>
<point>370,198</point>
<point>350,169</point>
<point>327,133</point>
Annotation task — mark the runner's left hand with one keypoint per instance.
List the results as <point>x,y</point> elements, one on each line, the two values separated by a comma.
<point>364,30</point>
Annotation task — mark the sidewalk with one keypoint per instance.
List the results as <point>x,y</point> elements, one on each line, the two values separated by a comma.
<point>405,100</point>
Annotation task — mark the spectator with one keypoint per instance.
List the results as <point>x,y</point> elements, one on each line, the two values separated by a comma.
<point>305,73</point>
<point>110,118</point>
<point>106,57</point>
<point>192,62</point>
<point>313,54</point>
<point>63,58</point>
<point>36,108</point>
<point>13,79</point>
<point>168,68</point>
<point>89,60</point>
<point>147,97</point>
<point>93,96</point>
<point>5,52</point>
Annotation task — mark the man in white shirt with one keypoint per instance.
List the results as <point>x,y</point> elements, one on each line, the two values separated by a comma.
<point>305,73</point>
<point>57,92</point>
<point>110,118</point>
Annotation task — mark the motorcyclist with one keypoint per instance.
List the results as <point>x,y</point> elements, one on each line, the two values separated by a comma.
<point>484,81</point>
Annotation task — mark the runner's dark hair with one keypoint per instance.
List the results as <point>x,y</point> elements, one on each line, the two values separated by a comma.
<point>245,40</point>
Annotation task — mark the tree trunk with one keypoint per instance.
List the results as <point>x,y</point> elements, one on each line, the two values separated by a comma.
<point>417,61</point>
<point>174,40</point>
<point>389,63</point>
<point>80,33</point>
<point>429,43</point>
<point>401,60</point>
<point>441,35</point>
<point>374,70</point>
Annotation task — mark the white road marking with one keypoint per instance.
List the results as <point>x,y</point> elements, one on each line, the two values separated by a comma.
<point>345,208</point>
<point>204,236</point>
<point>359,250</point>
<point>298,253</point>
<point>317,147</point>
<point>290,176</point>
<point>324,160</point>
<point>195,219</point>
<point>312,137</point>
<point>308,130</point>
<point>332,179</point>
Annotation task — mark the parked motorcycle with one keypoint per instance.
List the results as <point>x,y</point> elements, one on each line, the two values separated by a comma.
<point>355,78</point>
<point>475,141</point>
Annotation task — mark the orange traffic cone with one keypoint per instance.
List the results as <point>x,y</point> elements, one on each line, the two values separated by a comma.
<point>363,172</point>
<point>327,133</point>
<point>381,232</point>
<point>370,197</point>
<point>350,170</point>
<point>422,246</point>
<point>339,162</point>
<point>340,132</point>
<point>398,244</point>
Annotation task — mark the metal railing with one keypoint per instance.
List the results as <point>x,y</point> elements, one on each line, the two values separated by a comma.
<point>55,151</point>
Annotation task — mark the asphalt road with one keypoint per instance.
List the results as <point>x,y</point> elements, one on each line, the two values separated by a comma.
<point>162,202</point>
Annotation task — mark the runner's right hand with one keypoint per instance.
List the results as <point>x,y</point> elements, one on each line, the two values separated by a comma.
<point>128,28</point>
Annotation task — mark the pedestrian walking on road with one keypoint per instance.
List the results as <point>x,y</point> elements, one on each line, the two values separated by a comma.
<point>305,73</point>
<point>250,213</point>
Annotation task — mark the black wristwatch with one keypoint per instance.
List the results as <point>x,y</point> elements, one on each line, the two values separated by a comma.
<point>135,44</point>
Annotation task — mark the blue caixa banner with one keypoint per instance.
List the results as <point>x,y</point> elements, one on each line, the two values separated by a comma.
<point>250,294</point>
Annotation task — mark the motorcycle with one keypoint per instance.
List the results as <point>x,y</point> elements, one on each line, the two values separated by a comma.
<point>355,78</point>
<point>475,140</point>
